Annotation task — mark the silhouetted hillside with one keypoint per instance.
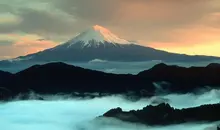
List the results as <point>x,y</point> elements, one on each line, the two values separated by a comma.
<point>184,79</point>
<point>4,76</point>
<point>164,114</point>
<point>54,78</point>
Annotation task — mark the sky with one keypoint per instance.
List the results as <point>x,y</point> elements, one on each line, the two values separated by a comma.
<point>181,26</point>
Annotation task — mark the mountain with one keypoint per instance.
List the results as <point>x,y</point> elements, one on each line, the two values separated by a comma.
<point>55,78</point>
<point>164,114</point>
<point>99,43</point>
<point>4,76</point>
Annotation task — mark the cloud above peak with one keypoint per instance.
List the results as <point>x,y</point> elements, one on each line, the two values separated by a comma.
<point>13,45</point>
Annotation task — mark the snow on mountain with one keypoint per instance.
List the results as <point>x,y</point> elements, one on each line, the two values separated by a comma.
<point>98,34</point>
<point>99,43</point>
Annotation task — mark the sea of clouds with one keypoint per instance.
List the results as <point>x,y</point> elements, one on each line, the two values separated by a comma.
<point>59,113</point>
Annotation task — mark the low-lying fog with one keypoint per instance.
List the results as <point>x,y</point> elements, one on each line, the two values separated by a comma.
<point>75,114</point>
<point>109,66</point>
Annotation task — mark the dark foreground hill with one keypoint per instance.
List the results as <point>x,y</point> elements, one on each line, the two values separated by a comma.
<point>54,78</point>
<point>164,114</point>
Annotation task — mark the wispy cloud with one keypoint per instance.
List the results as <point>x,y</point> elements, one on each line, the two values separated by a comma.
<point>14,45</point>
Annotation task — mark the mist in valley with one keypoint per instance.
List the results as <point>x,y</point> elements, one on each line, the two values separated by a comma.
<point>109,66</point>
<point>58,113</point>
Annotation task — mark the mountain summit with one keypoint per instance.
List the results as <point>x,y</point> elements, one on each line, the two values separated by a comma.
<point>96,36</point>
<point>99,43</point>
<point>99,34</point>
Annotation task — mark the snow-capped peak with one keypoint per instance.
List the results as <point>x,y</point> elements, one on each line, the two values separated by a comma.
<point>98,34</point>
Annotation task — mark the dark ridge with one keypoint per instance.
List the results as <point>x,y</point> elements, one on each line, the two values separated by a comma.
<point>213,65</point>
<point>55,78</point>
<point>4,74</point>
<point>56,66</point>
<point>164,114</point>
<point>5,78</point>
<point>184,79</point>
<point>160,66</point>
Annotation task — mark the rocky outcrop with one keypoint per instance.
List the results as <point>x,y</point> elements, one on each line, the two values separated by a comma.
<point>164,114</point>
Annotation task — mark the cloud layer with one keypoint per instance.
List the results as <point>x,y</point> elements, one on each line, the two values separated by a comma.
<point>73,114</point>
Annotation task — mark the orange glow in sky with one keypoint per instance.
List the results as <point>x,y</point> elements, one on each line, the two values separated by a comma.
<point>182,26</point>
<point>211,49</point>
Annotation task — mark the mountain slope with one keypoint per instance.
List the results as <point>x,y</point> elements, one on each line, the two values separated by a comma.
<point>55,78</point>
<point>99,43</point>
<point>164,114</point>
